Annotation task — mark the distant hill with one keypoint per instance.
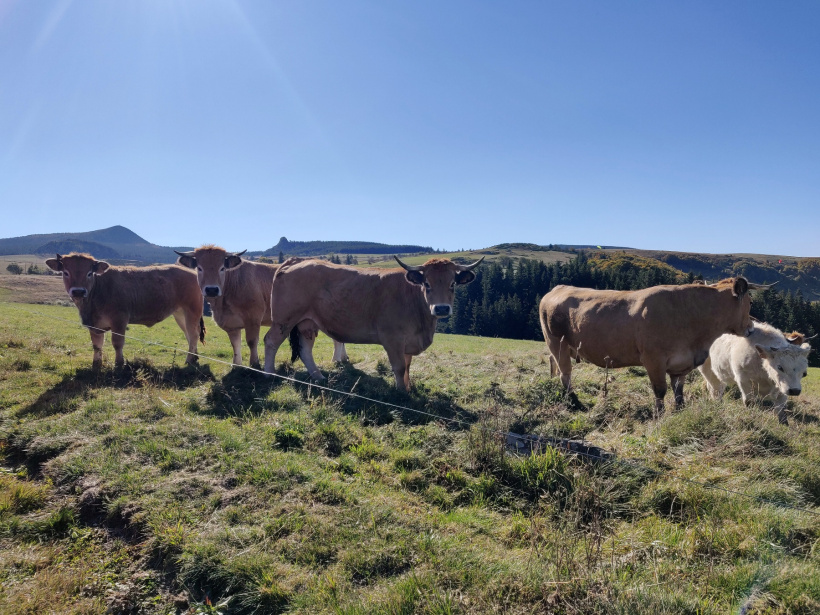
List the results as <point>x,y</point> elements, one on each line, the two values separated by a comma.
<point>322,248</point>
<point>65,246</point>
<point>116,243</point>
<point>791,273</point>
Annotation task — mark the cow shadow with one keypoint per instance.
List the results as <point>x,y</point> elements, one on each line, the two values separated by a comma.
<point>68,393</point>
<point>376,400</point>
<point>373,399</point>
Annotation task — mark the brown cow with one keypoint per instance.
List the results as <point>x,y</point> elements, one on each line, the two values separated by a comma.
<point>110,298</point>
<point>239,292</point>
<point>395,308</point>
<point>667,329</point>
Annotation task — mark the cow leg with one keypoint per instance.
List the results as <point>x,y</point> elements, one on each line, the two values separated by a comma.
<point>407,359</point>
<point>235,336</point>
<point>561,357</point>
<point>118,341</point>
<point>657,376</point>
<point>713,383</point>
<point>277,334</point>
<point>746,391</point>
<point>189,323</point>
<point>399,364</point>
<point>308,332</point>
<point>677,389</point>
<point>252,340</point>
<point>97,339</point>
<point>339,353</point>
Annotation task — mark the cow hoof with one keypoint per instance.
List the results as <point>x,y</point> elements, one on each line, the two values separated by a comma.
<point>318,376</point>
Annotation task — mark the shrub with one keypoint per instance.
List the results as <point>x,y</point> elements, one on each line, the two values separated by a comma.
<point>14,269</point>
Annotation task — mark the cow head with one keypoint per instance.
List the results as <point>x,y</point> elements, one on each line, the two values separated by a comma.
<point>786,365</point>
<point>438,277</point>
<point>79,272</point>
<point>210,263</point>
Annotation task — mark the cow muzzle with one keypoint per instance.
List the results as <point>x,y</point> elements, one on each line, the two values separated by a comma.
<point>441,310</point>
<point>78,293</point>
<point>794,392</point>
<point>212,291</point>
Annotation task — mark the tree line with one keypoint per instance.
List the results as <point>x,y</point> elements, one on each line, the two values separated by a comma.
<point>503,300</point>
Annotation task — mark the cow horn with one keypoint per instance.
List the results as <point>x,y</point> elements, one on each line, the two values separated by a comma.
<point>407,267</point>
<point>806,339</point>
<point>240,253</point>
<point>59,258</point>
<point>760,286</point>
<point>472,266</point>
<point>191,253</point>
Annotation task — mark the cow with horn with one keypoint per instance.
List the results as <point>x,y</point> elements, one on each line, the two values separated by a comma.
<point>396,308</point>
<point>667,329</point>
<point>239,292</point>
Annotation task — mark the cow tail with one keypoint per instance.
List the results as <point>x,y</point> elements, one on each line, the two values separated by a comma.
<point>202,330</point>
<point>295,344</point>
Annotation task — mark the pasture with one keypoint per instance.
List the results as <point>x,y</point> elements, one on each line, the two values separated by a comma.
<point>158,488</point>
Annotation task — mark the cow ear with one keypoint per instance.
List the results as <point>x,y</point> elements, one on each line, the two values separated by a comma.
<point>415,277</point>
<point>464,277</point>
<point>187,261</point>
<point>100,267</point>
<point>54,263</point>
<point>740,288</point>
<point>761,351</point>
<point>232,260</point>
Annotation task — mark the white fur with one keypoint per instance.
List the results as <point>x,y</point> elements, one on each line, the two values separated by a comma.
<point>763,365</point>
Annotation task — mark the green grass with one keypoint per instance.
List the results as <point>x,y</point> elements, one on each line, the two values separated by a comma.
<point>159,488</point>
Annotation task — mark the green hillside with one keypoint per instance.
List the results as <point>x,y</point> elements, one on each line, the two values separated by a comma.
<point>116,243</point>
<point>791,273</point>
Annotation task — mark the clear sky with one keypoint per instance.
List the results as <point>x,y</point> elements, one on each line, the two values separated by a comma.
<point>687,125</point>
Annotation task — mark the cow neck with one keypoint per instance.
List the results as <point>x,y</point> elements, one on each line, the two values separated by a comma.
<point>721,299</point>
<point>426,321</point>
<point>89,306</point>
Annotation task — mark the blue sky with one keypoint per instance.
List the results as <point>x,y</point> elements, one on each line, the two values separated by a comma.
<point>689,126</point>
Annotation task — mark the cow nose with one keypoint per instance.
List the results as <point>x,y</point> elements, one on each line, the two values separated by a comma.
<point>212,291</point>
<point>78,292</point>
<point>794,391</point>
<point>442,310</point>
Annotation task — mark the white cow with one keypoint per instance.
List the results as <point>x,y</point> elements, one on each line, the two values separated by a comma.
<point>766,364</point>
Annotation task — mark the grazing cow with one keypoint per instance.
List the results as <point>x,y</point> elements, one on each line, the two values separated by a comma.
<point>667,329</point>
<point>392,307</point>
<point>110,298</point>
<point>767,364</point>
<point>239,293</point>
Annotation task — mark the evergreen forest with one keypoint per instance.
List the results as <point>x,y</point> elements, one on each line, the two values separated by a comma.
<point>503,300</point>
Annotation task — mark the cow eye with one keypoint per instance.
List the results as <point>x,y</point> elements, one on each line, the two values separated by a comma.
<point>65,274</point>
<point>780,367</point>
<point>222,269</point>
<point>805,374</point>
<point>90,273</point>
<point>198,268</point>
<point>427,285</point>
<point>452,285</point>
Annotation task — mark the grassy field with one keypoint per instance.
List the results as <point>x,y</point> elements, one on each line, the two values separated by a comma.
<point>158,488</point>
